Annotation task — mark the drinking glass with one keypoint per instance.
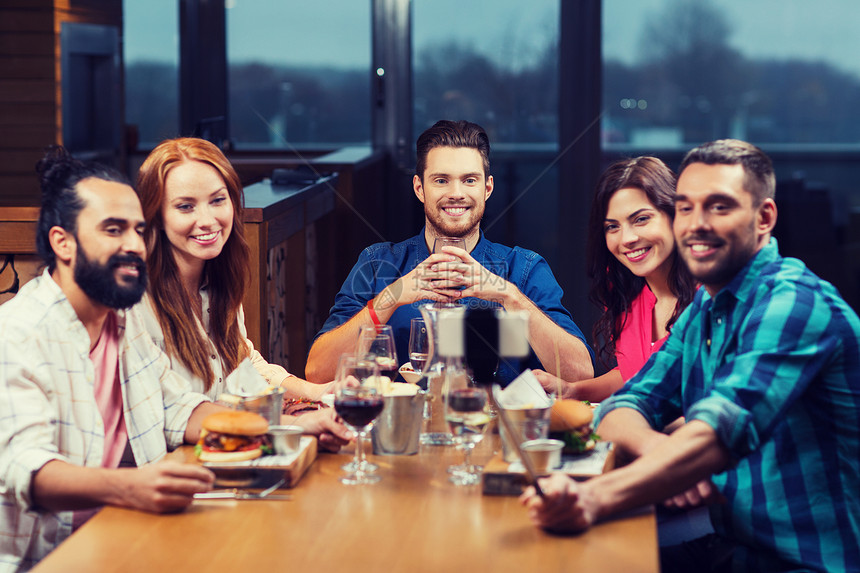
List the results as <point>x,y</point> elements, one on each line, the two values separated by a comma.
<point>418,345</point>
<point>468,417</point>
<point>347,367</point>
<point>358,406</point>
<point>440,242</point>
<point>378,342</point>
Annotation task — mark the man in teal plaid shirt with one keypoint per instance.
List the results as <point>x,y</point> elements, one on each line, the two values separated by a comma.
<point>765,367</point>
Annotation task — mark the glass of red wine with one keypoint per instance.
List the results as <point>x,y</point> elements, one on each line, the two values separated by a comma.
<point>468,416</point>
<point>378,341</point>
<point>358,405</point>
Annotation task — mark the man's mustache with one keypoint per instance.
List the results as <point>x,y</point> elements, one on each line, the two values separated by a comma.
<point>117,260</point>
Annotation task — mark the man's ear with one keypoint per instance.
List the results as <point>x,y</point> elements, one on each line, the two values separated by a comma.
<point>418,187</point>
<point>766,218</point>
<point>489,188</point>
<point>62,242</point>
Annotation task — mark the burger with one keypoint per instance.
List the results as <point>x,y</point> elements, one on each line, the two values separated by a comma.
<point>571,421</point>
<point>233,436</point>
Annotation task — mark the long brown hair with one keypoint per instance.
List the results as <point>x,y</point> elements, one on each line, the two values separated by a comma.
<point>226,274</point>
<point>613,286</point>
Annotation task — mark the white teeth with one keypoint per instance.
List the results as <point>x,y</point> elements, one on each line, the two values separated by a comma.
<point>455,210</point>
<point>208,237</point>
<point>636,253</point>
<point>697,248</point>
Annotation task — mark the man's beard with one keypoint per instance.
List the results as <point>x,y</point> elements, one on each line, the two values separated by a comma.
<point>442,228</point>
<point>99,283</point>
<point>741,248</point>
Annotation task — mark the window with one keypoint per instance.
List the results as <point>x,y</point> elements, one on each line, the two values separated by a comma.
<point>680,72</point>
<point>494,62</point>
<point>778,74</point>
<point>299,73</point>
<point>151,55</point>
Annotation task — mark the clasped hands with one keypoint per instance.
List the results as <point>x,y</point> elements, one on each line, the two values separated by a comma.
<point>451,275</point>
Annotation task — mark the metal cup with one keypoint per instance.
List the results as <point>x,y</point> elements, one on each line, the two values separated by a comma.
<point>286,439</point>
<point>397,429</point>
<point>268,405</point>
<point>544,454</point>
<point>531,424</point>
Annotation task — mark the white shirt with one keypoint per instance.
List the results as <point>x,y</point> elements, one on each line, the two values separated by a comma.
<point>48,410</point>
<point>252,376</point>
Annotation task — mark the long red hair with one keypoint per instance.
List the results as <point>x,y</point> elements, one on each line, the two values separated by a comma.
<point>226,274</point>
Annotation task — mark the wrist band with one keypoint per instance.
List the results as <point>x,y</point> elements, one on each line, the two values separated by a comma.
<point>373,317</point>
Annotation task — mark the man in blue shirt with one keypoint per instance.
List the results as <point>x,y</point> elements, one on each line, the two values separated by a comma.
<point>765,367</point>
<point>391,281</point>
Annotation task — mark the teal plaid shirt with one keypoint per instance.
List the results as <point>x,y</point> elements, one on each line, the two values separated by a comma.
<point>772,363</point>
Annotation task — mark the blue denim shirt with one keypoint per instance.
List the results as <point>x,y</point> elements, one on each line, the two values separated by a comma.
<point>383,263</point>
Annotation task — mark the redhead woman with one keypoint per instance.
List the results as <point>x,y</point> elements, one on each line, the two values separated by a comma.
<point>636,275</point>
<point>198,263</point>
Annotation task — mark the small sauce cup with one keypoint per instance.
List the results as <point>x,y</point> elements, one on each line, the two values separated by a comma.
<point>545,455</point>
<point>286,439</point>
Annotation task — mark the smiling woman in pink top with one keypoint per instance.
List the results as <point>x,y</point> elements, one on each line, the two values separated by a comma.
<point>636,275</point>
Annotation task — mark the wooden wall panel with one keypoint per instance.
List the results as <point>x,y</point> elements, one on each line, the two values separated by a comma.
<point>27,67</point>
<point>18,237</point>
<point>26,90</point>
<point>26,114</point>
<point>30,99</point>
<point>25,137</point>
<point>19,160</point>
<point>19,189</point>
<point>27,43</point>
<point>26,5</point>
<point>34,20</point>
<point>28,95</point>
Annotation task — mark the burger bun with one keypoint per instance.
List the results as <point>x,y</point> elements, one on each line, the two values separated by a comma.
<point>236,422</point>
<point>569,415</point>
<point>236,456</point>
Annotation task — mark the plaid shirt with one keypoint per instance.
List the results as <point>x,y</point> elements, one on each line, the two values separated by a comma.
<point>772,363</point>
<point>48,410</point>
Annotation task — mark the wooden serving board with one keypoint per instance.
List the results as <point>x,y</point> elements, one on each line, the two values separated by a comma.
<point>259,473</point>
<point>502,478</point>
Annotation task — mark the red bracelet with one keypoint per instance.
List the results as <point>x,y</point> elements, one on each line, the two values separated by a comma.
<point>372,312</point>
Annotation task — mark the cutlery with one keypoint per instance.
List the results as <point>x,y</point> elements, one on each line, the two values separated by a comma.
<point>242,494</point>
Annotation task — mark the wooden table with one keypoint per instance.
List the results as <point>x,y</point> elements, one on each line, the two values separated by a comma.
<point>413,520</point>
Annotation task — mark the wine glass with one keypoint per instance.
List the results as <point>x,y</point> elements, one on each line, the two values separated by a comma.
<point>468,416</point>
<point>378,342</point>
<point>418,345</point>
<point>358,406</point>
<point>346,368</point>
